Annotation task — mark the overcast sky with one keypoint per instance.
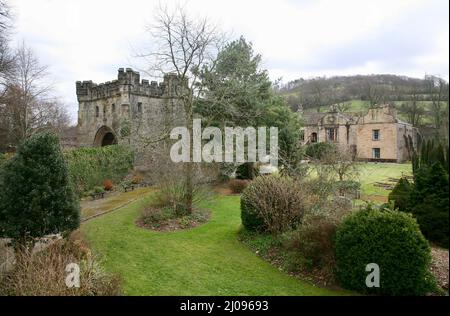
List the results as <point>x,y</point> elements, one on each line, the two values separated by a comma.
<point>91,39</point>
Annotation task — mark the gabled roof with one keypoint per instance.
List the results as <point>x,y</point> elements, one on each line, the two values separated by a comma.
<point>312,118</point>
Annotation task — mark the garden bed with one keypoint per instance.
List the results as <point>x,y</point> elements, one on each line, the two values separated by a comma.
<point>165,220</point>
<point>272,250</point>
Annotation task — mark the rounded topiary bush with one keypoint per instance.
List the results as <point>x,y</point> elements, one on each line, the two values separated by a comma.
<point>401,194</point>
<point>393,241</point>
<point>272,203</point>
<point>36,196</point>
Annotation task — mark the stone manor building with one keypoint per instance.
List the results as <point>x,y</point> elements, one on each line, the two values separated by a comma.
<point>377,135</point>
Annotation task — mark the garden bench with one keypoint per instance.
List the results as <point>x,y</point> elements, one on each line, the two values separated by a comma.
<point>98,195</point>
<point>129,188</point>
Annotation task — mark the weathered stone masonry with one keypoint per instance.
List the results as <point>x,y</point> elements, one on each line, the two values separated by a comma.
<point>377,135</point>
<point>125,110</point>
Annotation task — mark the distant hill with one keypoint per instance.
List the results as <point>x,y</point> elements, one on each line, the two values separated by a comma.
<point>418,101</point>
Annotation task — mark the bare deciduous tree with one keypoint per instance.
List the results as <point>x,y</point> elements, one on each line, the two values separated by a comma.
<point>184,46</point>
<point>373,92</point>
<point>6,56</point>
<point>27,104</point>
<point>413,108</point>
<point>437,88</point>
<point>5,63</point>
<point>339,162</point>
<point>320,92</point>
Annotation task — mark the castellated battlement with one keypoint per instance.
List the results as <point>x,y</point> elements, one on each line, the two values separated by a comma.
<point>128,81</point>
<point>128,109</point>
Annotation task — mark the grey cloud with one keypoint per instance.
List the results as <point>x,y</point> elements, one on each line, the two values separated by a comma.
<point>395,45</point>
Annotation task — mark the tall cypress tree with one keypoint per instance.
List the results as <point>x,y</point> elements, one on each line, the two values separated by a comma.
<point>430,203</point>
<point>36,197</point>
<point>401,194</point>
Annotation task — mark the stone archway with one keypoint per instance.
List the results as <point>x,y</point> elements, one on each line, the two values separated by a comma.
<point>105,136</point>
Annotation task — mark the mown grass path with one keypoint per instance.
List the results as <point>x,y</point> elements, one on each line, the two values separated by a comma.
<point>206,260</point>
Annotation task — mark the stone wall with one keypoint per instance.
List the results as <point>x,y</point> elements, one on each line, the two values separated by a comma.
<point>402,131</point>
<point>387,142</point>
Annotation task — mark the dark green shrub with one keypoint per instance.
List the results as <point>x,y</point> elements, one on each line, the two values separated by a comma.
<point>390,239</point>
<point>246,171</point>
<point>429,203</point>
<point>432,216</point>
<point>401,194</point>
<point>318,150</point>
<point>427,200</point>
<point>431,151</point>
<point>89,167</point>
<point>98,190</point>
<point>272,203</point>
<point>36,197</point>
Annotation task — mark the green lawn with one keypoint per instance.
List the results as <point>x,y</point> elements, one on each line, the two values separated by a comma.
<point>370,173</point>
<point>207,260</point>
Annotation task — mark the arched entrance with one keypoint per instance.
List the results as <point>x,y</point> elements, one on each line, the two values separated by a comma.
<point>104,137</point>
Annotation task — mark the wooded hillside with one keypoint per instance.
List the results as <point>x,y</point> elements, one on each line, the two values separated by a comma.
<point>421,102</point>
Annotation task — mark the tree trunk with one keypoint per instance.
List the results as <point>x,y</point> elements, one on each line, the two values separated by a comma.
<point>189,186</point>
<point>189,168</point>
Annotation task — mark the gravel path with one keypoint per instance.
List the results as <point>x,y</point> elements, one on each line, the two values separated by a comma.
<point>439,266</point>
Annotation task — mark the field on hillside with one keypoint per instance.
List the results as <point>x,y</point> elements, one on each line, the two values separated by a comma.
<point>361,106</point>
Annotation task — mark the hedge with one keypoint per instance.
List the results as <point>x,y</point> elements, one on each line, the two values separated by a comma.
<point>90,166</point>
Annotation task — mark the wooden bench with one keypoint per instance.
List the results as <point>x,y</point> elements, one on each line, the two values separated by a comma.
<point>129,188</point>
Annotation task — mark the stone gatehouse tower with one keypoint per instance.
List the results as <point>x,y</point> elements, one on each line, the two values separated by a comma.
<point>126,110</point>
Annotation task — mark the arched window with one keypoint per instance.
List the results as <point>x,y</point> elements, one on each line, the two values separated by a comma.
<point>314,138</point>
<point>113,108</point>
<point>139,107</point>
<point>104,110</point>
<point>97,111</point>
